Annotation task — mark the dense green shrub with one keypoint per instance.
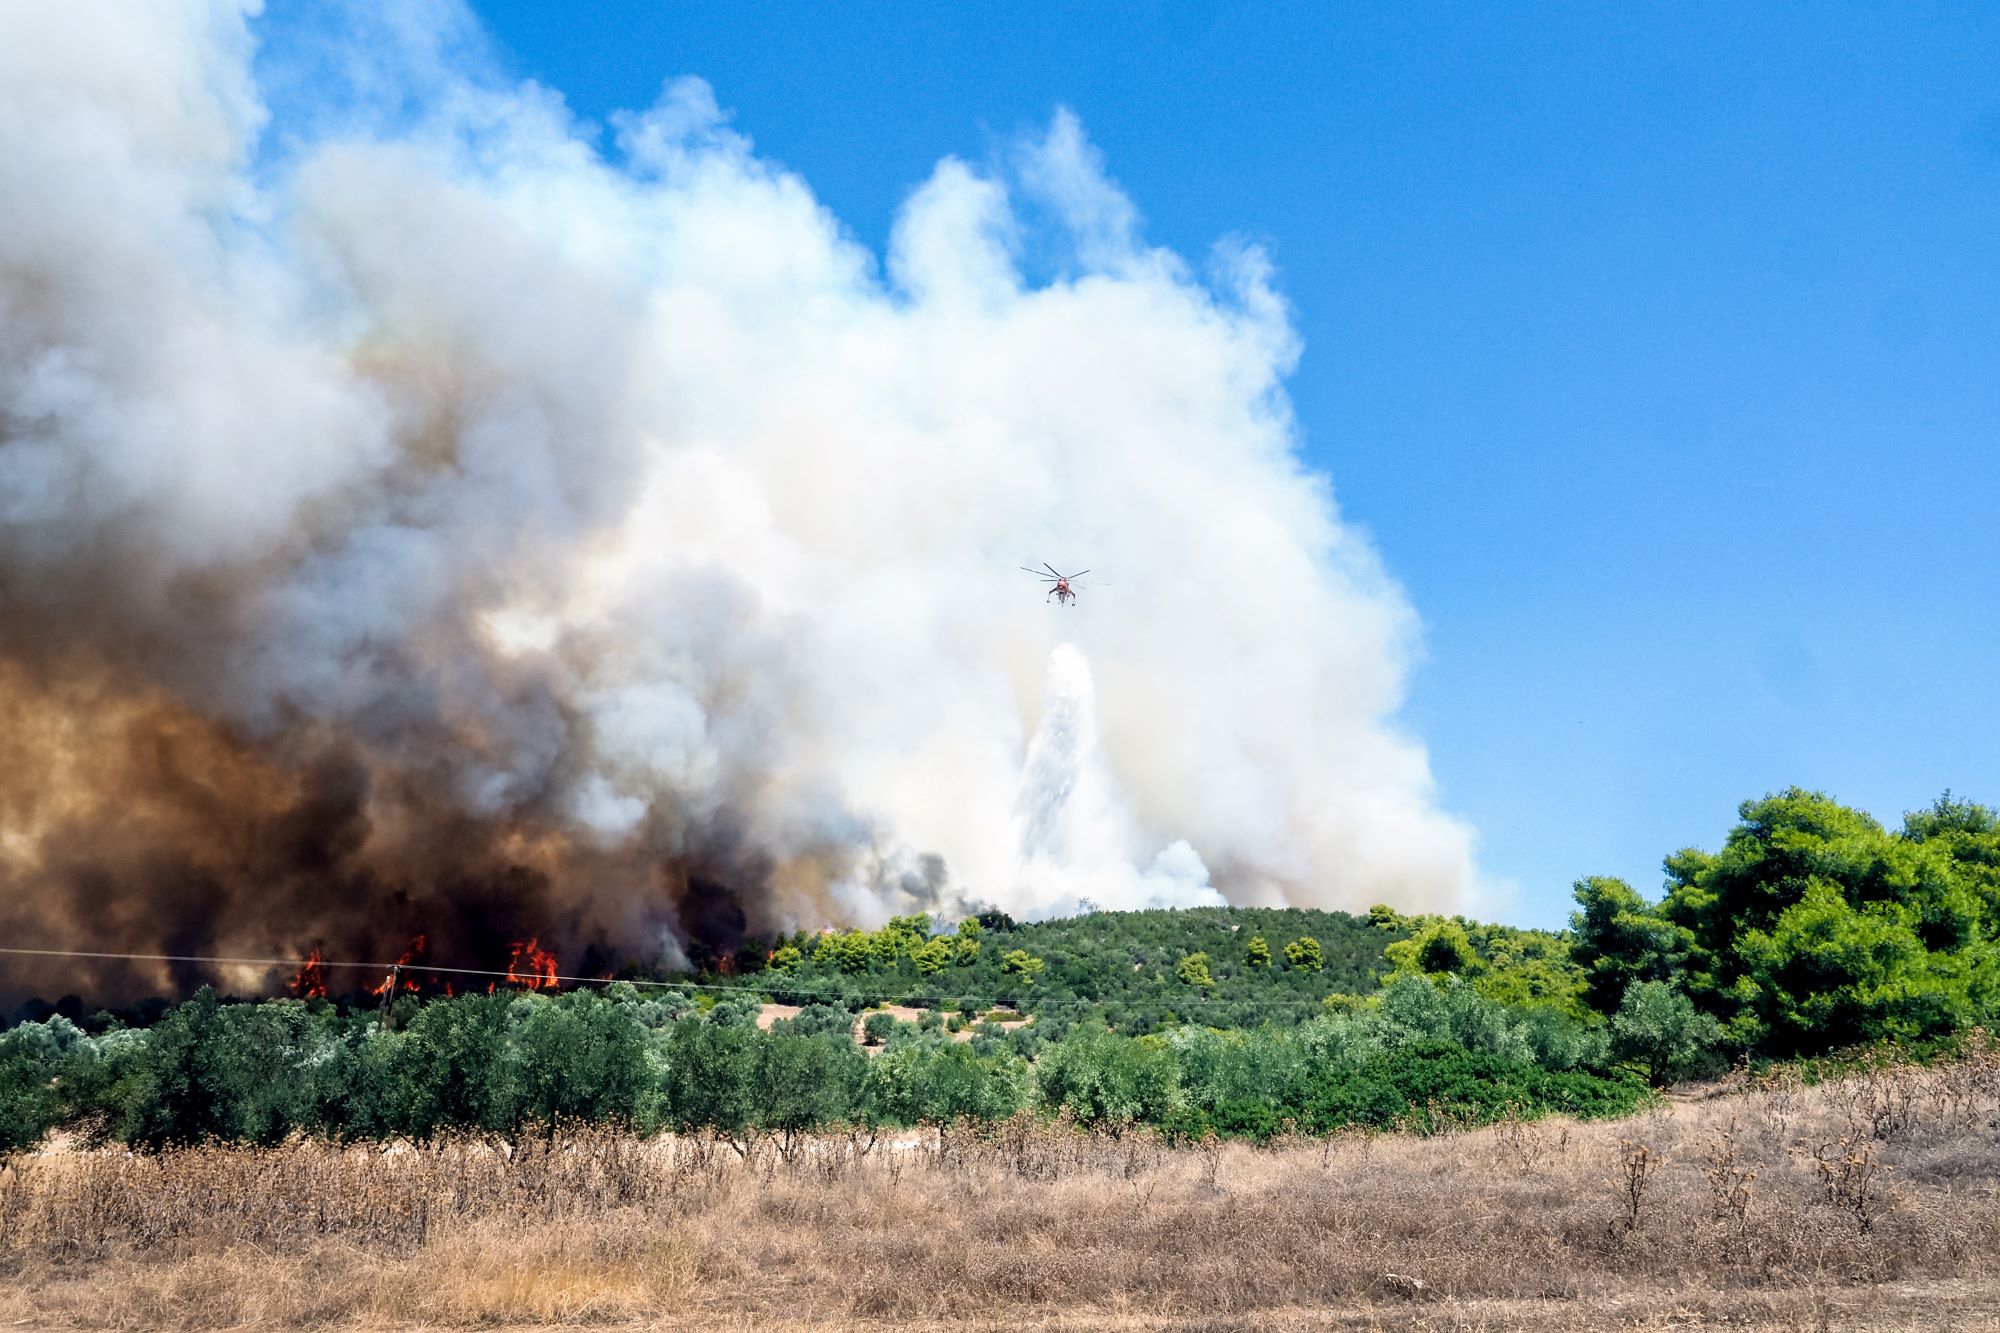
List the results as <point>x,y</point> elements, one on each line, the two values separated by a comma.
<point>940,1081</point>
<point>449,1069</point>
<point>1813,929</point>
<point>1659,1029</point>
<point>211,1071</point>
<point>1435,1085</point>
<point>34,1057</point>
<point>1108,1080</point>
<point>579,1056</point>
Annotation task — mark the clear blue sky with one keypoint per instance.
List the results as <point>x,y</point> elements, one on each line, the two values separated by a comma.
<point>1656,345</point>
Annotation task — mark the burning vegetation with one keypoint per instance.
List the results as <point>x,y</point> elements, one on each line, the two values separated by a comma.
<point>419,530</point>
<point>310,983</point>
<point>531,966</point>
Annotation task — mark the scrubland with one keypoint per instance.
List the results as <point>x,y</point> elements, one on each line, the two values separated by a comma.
<point>1867,1201</point>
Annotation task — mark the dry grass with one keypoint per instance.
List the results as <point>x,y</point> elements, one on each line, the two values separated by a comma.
<point>1870,1203</point>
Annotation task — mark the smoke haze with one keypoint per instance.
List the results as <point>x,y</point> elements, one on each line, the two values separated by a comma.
<point>423,512</point>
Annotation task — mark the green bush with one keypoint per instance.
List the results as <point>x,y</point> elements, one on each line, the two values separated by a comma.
<point>1108,1080</point>
<point>33,1058</point>
<point>1659,1029</point>
<point>211,1072</point>
<point>1193,970</point>
<point>1436,1085</point>
<point>580,1057</point>
<point>938,1083</point>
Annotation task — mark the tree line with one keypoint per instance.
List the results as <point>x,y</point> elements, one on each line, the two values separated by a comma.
<point>1812,929</point>
<point>256,1072</point>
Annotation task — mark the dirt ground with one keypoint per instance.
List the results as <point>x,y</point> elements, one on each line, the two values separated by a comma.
<point>772,1013</point>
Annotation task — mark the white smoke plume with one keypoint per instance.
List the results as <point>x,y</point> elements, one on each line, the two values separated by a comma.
<point>1077,842</point>
<point>480,490</point>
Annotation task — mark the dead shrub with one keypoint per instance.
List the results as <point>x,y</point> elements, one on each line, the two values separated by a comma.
<point>1033,1223</point>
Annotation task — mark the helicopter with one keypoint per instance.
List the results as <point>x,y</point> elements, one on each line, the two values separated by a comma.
<point>1059,584</point>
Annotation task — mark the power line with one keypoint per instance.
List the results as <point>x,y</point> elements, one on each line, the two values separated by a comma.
<point>1268,1004</point>
<point>336,963</point>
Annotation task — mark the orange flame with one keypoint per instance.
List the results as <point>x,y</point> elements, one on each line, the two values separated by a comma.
<point>410,955</point>
<point>310,983</point>
<point>532,966</point>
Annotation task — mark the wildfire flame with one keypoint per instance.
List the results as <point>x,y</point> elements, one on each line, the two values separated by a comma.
<point>529,966</point>
<point>310,983</point>
<point>407,984</point>
<point>532,966</point>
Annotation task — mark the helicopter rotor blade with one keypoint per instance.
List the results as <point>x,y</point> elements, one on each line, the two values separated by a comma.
<point>1036,572</point>
<point>1079,574</point>
<point>1051,568</point>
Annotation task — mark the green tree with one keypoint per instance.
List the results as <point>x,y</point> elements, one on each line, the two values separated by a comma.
<point>799,1084</point>
<point>580,1057</point>
<point>849,951</point>
<point>1384,917</point>
<point>352,1085</point>
<point>1105,1079</point>
<point>1530,968</point>
<point>33,1057</point>
<point>1193,969</point>
<point>1304,954</point>
<point>215,1073</point>
<point>711,1078</point>
<point>820,1020</point>
<point>734,1011</point>
<point>1413,1009</point>
<point>1658,1027</point>
<point>1969,836</point>
<point>1022,964</point>
<point>1814,927</point>
<point>450,1068</point>
<point>939,1083</point>
<point>1257,953</point>
<point>1828,974</point>
<point>1621,939</point>
<point>1439,948</point>
<point>935,955</point>
<point>902,937</point>
<point>877,1028</point>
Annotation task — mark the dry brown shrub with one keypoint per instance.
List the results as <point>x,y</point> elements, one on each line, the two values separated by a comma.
<point>1767,1206</point>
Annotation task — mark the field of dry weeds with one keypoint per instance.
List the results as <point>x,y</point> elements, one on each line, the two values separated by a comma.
<point>1866,1203</point>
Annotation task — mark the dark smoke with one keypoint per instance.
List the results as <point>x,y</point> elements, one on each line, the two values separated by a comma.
<point>421,514</point>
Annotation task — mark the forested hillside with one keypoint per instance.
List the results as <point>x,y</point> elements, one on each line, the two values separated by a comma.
<point>1812,929</point>
<point>1137,971</point>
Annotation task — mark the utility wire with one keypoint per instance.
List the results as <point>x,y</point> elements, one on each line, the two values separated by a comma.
<point>544,977</point>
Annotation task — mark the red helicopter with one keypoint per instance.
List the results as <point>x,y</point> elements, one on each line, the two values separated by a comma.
<point>1059,587</point>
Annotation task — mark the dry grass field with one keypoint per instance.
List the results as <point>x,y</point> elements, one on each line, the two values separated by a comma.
<point>1869,1203</point>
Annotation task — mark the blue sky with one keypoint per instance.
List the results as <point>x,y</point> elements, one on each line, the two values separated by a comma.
<point>1654,345</point>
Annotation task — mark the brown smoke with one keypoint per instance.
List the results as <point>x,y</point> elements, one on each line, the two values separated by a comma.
<point>423,515</point>
<point>132,824</point>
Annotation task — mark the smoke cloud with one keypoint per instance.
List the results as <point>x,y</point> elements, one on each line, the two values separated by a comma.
<point>423,512</point>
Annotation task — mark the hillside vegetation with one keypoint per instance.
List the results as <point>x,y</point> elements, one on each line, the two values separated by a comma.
<point>1129,969</point>
<point>1812,929</point>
